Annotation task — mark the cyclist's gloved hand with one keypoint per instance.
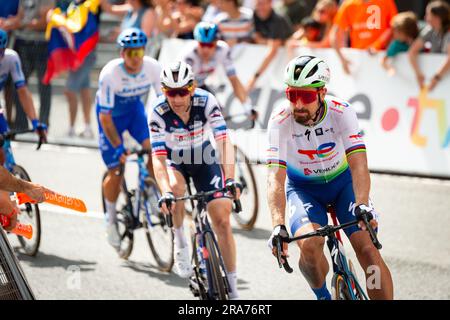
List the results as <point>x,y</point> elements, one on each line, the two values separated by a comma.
<point>234,187</point>
<point>250,111</point>
<point>166,201</point>
<point>372,215</point>
<point>120,153</point>
<point>278,233</point>
<point>40,129</point>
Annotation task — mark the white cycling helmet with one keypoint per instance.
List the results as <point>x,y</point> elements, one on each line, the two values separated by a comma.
<point>307,72</point>
<point>177,75</point>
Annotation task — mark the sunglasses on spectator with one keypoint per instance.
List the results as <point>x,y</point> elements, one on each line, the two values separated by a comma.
<point>182,92</point>
<point>306,96</point>
<point>207,45</point>
<point>136,53</point>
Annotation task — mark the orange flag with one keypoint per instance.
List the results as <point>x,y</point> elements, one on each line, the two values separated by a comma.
<point>24,230</point>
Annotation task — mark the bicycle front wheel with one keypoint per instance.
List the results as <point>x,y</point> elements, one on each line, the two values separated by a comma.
<point>159,235</point>
<point>29,214</point>
<point>249,194</point>
<point>217,289</point>
<point>13,284</point>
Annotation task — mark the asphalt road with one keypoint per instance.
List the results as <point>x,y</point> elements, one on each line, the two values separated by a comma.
<point>75,261</point>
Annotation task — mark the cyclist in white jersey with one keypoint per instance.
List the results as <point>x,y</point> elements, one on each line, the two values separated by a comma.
<point>123,85</point>
<point>180,122</point>
<point>317,157</point>
<point>10,65</point>
<point>207,54</point>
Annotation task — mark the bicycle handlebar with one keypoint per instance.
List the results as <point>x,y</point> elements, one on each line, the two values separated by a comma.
<point>324,232</point>
<point>11,134</point>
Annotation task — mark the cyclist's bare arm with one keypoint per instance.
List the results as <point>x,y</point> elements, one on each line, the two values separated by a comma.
<point>276,194</point>
<point>238,88</point>
<point>161,175</point>
<point>226,151</point>
<point>360,176</point>
<point>110,130</point>
<point>27,102</point>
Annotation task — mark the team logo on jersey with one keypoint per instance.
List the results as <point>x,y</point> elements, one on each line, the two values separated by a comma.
<point>154,126</point>
<point>308,133</point>
<point>199,101</point>
<point>339,106</point>
<point>215,112</point>
<point>319,132</point>
<point>307,172</point>
<point>162,109</point>
<point>323,151</point>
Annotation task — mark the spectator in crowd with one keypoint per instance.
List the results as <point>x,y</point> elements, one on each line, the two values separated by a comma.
<point>78,81</point>
<point>294,10</point>
<point>404,32</point>
<point>435,38</point>
<point>179,19</point>
<point>271,29</point>
<point>9,18</point>
<point>315,30</point>
<point>211,12</point>
<point>367,23</point>
<point>31,46</point>
<point>235,22</point>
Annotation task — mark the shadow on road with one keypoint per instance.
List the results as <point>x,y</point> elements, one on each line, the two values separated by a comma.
<point>43,260</point>
<point>170,279</point>
<point>256,233</point>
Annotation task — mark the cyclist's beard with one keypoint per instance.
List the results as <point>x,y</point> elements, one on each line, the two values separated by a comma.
<point>302,116</point>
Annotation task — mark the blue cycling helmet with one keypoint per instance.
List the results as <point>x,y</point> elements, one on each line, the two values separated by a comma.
<point>206,32</point>
<point>3,39</point>
<point>132,38</point>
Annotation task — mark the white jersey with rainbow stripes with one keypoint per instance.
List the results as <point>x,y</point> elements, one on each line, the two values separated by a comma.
<point>314,154</point>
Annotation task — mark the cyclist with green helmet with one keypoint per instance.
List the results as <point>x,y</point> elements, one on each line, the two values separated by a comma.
<point>317,157</point>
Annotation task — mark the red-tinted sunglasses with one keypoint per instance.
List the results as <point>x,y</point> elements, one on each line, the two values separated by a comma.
<point>306,96</point>
<point>182,92</point>
<point>207,45</point>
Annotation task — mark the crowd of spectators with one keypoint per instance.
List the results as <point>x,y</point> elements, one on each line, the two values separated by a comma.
<point>373,25</point>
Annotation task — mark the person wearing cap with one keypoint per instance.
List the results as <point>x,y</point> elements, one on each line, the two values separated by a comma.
<point>124,83</point>
<point>317,157</point>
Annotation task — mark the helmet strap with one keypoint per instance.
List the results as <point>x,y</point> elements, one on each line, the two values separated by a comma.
<point>320,110</point>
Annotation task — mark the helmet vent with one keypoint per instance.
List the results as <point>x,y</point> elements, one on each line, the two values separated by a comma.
<point>313,71</point>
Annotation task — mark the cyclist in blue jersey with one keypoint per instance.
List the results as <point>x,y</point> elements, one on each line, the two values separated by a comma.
<point>207,54</point>
<point>123,85</point>
<point>10,65</point>
<point>180,123</point>
<point>317,157</point>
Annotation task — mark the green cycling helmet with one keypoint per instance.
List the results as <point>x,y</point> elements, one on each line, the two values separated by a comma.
<point>307,72</point>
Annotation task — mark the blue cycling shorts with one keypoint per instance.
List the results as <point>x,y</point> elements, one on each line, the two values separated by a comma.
<point>136,124</point>
<point>3,124</point>
<point>307,203</point>
<point>206,177</point>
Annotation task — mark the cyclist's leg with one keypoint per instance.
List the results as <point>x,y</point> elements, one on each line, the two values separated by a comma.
<point>306,214</point>
<point>182,261</point>
<point>207,178</point>
<point>380,286</point>
<point>139,131</point>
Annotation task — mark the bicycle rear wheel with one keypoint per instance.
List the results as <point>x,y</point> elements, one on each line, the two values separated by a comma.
<point>249,194</point>
<point>217,288</point>
<point>125,221</point>
<point>29,214</point>
<point>339,288</point>
<point>13,284</point>
<point>159,235</point>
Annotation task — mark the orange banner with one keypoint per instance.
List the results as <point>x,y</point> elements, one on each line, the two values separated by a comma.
<point>24,230</point>
<point>56,199</point>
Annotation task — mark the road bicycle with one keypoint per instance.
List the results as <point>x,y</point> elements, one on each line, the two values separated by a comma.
<point>209,280</point>
<point>29,213</point>
<point>138,208</point>
<point>13,283</point>
<point>344,284</point>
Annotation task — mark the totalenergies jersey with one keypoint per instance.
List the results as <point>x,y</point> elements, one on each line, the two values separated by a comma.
<point>314,154</point>
<point>202,69</point>
<point>120,93</point>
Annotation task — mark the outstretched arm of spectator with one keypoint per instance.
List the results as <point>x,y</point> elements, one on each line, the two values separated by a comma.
<point>238,89</point>
<point>337,35</point>
<point>11,23</point>
<point>148,22</point>
<point>442,71</point>
<point>274,44</point>
<point>41,23</point>
<point>413,53</point>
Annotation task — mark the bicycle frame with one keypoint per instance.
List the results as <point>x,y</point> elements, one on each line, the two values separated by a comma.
<point>10,162</point>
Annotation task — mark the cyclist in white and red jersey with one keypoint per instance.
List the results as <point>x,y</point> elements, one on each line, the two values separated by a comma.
<point>208,54</point>
<point>317,157</point>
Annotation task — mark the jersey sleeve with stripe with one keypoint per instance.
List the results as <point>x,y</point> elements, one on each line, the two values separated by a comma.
<point>215,118</point>
<point>10,64</point>
<point>276,154</point>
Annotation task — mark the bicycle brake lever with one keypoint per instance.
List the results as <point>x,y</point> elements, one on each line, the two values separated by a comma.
<point>237,206</point>
<point>280,256</point>
<point>169,220</point>
<point>372,234</point>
